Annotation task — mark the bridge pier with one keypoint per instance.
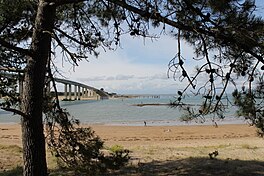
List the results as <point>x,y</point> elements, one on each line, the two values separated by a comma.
<point>75,92</point>
<point>91,93</point>
<point>79,92</point>
<point>65,92</point>
<point>70,92</point>
<point>83,92</point>
<point>86,92</point>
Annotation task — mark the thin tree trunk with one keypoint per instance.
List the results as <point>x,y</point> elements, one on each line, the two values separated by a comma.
<point>34,152</point>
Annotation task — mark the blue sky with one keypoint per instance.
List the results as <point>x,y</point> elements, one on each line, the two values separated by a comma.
<point>139,66</point>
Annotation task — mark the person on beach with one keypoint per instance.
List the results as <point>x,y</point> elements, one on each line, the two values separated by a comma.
<point>145,123</point>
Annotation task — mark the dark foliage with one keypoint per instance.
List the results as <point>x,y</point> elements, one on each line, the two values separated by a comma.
<point>251,105</point>
<point>79,148</point>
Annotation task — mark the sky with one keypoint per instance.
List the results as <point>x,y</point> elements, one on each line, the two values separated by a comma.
<point>139,66</point>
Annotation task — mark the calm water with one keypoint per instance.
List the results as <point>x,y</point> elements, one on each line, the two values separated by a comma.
<point>122,112</point>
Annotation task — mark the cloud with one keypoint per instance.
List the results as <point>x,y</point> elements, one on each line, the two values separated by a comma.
<point>121,77</point>
<point>134,68</point>
<point>105,78</point>
<point>95,78</point>
<point>124,77</point>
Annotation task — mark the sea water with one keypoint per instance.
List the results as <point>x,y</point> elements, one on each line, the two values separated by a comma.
<point>123,111</point>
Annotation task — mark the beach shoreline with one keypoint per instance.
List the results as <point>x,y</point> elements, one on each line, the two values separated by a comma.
<point>127,135</point>
<point>162,143</point>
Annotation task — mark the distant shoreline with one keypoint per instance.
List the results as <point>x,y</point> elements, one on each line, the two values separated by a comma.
<point>167,122</point>
<point>161,123</point>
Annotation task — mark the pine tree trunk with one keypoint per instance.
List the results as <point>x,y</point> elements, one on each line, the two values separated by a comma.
<point>34,152</point>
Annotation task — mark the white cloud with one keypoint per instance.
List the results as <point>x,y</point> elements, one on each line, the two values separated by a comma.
<point>134,68</point>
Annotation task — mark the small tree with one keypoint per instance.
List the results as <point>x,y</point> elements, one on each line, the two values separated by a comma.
<point>78,148</point>
<point>29,37</point>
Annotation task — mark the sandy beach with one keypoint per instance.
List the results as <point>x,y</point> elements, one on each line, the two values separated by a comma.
<point>167,150</point>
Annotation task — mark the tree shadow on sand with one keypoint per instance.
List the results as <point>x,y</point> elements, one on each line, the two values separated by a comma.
<point>17,171</point>
<point>195,167</point>
<point>180,167</point>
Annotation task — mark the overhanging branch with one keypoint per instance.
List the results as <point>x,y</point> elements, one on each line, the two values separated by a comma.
<point>89,45</point>
<point>181,26</point>
<point>63,2</point>
<point>64,48</point>
<point>16,111</point>
<point>15,48</point>
<point>154,16</point>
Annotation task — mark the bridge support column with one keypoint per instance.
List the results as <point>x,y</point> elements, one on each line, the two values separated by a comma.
<point>79,93</point>
<point>91,93</point>
<point>86,92</point>
<point>65,91</point>
<point>83,92</point>
<point>70,93</point>
<point>75,92</point>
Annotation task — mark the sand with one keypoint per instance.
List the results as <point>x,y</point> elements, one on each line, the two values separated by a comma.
<point>171,148</point>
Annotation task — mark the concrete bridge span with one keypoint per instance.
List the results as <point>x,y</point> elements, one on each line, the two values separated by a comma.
<point>79,92</point>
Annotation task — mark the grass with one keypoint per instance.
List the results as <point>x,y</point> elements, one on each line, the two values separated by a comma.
<point>11,148</point>
<point>116,148</point>
<point>222,146</point>
<point>247,146</point>
<point>10,158</point>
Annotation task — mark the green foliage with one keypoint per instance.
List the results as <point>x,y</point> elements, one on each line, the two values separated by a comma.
<point>117,157</point>
<point>116,148</point>
<point>78,148</point>
<point>251,106</point>
<point>8,90</point>
<point>16,24</point>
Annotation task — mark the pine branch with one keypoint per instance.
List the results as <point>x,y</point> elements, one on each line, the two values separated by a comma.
<point>12,70</point>
<point>64,48</point>
<point>63,2</point>
<point>15,111</point>
<point>226,38</point>
<point>15,48</point>
<point>89,45</point>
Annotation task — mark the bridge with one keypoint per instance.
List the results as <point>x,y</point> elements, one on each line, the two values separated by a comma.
<point>80,92</point>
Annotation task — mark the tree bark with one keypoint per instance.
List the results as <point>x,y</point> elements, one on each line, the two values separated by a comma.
<point>34,151</point>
